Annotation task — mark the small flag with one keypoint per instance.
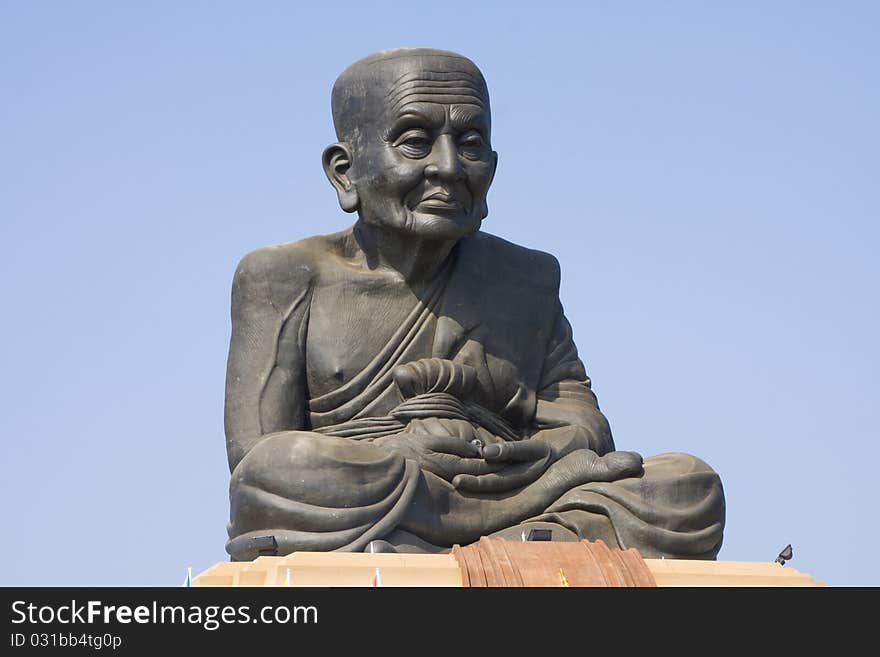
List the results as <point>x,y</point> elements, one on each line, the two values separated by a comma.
<point>188,582</point>
<point>377,579</point>
<point>563,579</point>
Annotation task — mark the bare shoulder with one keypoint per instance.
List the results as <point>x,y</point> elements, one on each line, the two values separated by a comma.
<point>287,268</point>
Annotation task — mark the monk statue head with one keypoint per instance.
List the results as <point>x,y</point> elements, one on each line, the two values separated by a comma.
<point>414,152</point>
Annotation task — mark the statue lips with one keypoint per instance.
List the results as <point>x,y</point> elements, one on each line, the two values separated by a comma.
<point>440,203</point>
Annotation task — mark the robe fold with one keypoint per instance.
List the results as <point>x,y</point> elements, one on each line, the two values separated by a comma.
<point>488,344</point>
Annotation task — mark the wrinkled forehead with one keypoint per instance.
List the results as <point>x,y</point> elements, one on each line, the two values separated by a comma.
<point>435,80</point>
<point>429,84</point>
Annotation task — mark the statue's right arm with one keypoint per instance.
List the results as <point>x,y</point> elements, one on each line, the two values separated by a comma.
<point>265,375</point>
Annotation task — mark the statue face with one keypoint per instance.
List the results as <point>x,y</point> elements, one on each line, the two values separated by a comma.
<point>424,164</point>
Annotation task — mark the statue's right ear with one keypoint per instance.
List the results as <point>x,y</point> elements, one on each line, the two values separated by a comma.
<point>337,162</point>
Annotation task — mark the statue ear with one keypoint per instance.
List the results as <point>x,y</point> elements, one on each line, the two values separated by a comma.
<point>484,208</point>
<point>337,162</point>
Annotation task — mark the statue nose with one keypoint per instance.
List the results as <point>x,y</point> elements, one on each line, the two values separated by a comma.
<point>444,164</point>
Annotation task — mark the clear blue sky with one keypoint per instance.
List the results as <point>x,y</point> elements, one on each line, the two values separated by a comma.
<point>706,175</point>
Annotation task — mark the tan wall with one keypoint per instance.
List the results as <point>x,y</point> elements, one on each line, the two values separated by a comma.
<point>328,569</point>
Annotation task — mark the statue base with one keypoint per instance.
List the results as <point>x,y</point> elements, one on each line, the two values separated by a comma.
<point>499,563</point>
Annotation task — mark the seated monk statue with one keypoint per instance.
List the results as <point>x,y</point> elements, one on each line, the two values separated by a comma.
<point>411,382</point>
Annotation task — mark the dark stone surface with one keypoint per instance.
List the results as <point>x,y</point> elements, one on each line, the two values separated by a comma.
<point>411,382</point>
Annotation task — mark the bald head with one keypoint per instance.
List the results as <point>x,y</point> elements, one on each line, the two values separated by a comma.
<point>386,82</point>
<point>413,153</point>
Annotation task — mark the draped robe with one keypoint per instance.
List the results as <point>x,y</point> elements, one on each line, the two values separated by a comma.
<point>488,343</point>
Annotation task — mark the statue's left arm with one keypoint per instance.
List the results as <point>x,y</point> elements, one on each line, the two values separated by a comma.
<point>564,394</point>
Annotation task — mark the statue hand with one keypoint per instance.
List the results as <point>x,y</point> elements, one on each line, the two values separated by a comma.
<point>446,456</point>
<point>531,458</point>
<point>521,464</point>
<point>463,429</point>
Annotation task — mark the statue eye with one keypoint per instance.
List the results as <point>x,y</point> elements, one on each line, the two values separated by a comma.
<point>471,144</point>
<point>414,143</point>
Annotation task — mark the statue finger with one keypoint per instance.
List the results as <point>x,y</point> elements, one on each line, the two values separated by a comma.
<point>448,467</point>
<point>452,445</point>
<point>503,481</point>
<point>512,452</point>
<point>470,466</point>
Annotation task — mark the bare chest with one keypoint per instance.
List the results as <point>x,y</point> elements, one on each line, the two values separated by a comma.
<point>349,324</point>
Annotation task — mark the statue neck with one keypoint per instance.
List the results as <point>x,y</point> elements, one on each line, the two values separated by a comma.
<point>414,258</point>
